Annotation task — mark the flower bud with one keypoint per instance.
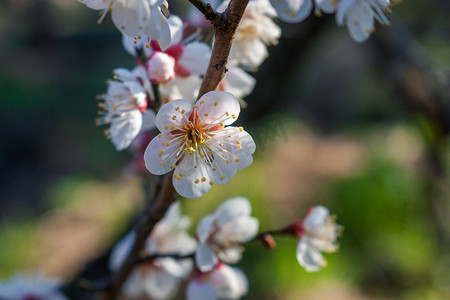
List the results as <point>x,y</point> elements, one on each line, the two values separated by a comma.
<point>268,241</point>
<point>161,67</point>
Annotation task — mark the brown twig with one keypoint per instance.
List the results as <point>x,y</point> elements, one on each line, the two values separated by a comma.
<point>224,34</point>
<point>207,10</point>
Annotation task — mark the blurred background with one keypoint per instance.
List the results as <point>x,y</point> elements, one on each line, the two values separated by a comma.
<point>360,128</point>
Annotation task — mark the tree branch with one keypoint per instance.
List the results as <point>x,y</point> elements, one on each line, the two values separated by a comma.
<point>225,26</point>
<point>207,10</point>
<point>224,34</point>
<point>164,196</point>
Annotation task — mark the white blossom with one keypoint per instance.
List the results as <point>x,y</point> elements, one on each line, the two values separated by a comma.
<point>294,11</point>
<point>36,287</point>
<point>195,143</point>
<point>181,88</point>
<point>318,232</point>
<point>220,235</point>
<point>142,42</point>
<point>224,282</point>
<point>124,107</point>
<point>359,15</point>
<point>237,82</point>
<point>135,18</point>
<point>170,236</point>
<point>185,60</point>
<point>255,31</point>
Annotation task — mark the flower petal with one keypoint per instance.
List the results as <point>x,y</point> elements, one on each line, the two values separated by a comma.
<point>160,158</point>
<point>158,28</point>
<point>129,15</point>
<point>133,286</point>
<point>327,6</point>
<point>360,21</point>
<point>198,290</point>
<point>238,82</point>
<point>316,218</point>
<point>205,258</point>
<point>231,255</point>
<point>120,251</point>
<point>190,181</point>
<point>233,208</point>
<point>181,88</point>
<point>230,283</point>
<point>148,120</point>
<point>196,57</point>
<point>160,284</point>
<point>205,227</point>
<point>239,230</point>
<point>172,113</point>
<point>176,29</point>
<point>309,257</point>
<point>125,128</point>
<point>292,11</point>
<point>96,4</point>
<point>217,106</point>
<point>249,53</point>
<point>172,266</point>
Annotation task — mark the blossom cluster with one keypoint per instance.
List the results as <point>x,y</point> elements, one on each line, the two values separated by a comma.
<point>357,15</point>
<point>195,140</point>
<point>202,260</point>
<point>207,260</point>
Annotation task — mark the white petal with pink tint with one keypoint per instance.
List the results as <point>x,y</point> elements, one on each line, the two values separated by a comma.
<point>161,67</point>
<point>198,141</point>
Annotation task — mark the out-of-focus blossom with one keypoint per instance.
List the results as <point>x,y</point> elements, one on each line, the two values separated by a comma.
<point>136,18</point>
<point>195,143</point>
<point>224,282</point>
<point>359,15</point>
<point>255,32</point>
<point>237,82</point>
<point>182,57</point>
<point>35,287</point>
<point>158,278</point>
<point>124,107</point>
<point>221,234</point>
<point>181,88</point>
<point>317,232</point>
<point>177,70</point>
<point>294,11</point>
